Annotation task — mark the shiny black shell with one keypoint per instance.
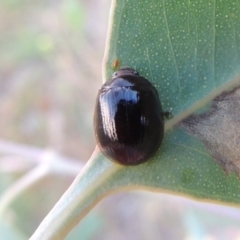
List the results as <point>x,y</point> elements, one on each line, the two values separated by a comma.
<point>128,118</point>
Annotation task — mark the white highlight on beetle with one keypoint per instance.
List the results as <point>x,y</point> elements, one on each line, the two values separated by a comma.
<point>109,103</point>
<point>108,113</point>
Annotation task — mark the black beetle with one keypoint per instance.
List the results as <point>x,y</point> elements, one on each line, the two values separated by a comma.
<point>128,118</point>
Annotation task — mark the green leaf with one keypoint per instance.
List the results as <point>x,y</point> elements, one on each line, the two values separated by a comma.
<point>190,50</point>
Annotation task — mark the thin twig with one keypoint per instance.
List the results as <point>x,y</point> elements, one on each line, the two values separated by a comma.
<point>50,163</point>
<point>31,153</point>
<point>21,150</point>
<point>21,186</point>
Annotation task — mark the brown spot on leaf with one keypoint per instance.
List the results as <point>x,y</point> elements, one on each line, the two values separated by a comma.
<point>115,63</point>
<point>219,130</point>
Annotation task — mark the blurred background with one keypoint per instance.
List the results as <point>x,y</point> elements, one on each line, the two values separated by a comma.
<point>50,71</point>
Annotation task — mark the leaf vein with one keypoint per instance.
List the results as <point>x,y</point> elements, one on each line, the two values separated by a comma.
<point>172,49</point>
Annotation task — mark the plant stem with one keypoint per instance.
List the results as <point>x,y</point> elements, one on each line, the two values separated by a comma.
<point>77,201</point>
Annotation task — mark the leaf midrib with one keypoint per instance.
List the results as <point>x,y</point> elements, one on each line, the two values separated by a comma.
<point>202,102</point>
